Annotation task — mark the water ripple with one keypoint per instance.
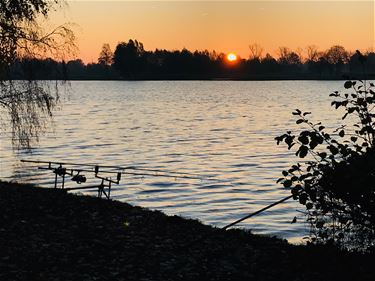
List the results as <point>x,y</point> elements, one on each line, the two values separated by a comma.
<point>218,129</point>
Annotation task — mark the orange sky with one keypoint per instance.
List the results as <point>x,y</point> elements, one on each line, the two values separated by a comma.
<point>224,26</point>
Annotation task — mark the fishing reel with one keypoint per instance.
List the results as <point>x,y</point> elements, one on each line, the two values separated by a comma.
<point>78,178</point>
<point>60,171</point>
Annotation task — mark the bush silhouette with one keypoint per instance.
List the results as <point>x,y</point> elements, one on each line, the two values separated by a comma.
<point>337,183</point>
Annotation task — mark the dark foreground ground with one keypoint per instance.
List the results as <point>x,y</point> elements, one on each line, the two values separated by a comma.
<point>46,234</point>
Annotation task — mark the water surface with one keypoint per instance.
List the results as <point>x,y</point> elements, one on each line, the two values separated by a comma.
<point>222,129</point>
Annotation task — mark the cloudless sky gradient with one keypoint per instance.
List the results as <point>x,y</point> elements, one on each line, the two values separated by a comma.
<point>224,26</point>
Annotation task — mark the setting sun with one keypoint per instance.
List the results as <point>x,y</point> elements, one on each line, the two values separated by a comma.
<point>231,57</point>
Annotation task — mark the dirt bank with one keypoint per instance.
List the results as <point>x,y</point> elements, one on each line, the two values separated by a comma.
<point>47,234</point>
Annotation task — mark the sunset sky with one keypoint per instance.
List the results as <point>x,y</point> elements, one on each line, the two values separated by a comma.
<point>224,26</point>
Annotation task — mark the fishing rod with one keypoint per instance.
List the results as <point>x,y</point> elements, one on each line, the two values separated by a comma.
<point>157,170</point>
<point>129,173</point>
<point>241,219</point>
<point>60,171</point>
<point>257,212</point>
<point>166,173</point>
<point>73,170</point>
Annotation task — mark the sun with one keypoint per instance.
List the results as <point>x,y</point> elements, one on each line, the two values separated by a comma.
<point>232,57</point>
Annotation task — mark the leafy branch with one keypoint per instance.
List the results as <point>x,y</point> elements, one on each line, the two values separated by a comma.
<point>337,183</point>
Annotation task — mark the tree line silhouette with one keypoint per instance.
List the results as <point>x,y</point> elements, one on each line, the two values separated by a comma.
<point>130,61</point>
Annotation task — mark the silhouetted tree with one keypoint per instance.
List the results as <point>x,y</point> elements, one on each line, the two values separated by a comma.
<point>106,55</point>
<point>324,68</point>
<point>370,67</point>
<point>337,56</point>
<point>22,41</point>
<point>256,51</point>
<point>128,58</point>
<point>300,54</point>
<point>289,61</point>
<point>76,69</point>
<point>132,61</point>
<point>356,64</point>
<point>288,57</point>
<point>312,53</point>
<point>312,59</point>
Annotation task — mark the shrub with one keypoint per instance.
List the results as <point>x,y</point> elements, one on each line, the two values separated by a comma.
<point>337,182</point>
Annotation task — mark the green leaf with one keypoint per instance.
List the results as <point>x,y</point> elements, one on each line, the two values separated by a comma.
<point>299,121</point>
<point>279,180</point>
<point>287,183</point>
<point>348,84</point>
<point>302,200</point>
<point>333,149</point>
<point>303,139</point>
<point>313,144</point>
<point>302,152</point>
<point>322,155</point>
<point>294,178</point>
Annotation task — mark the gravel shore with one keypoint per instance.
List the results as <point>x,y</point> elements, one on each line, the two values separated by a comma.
<point>48,234</point>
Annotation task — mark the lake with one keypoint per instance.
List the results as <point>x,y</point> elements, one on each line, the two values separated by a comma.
<point>221,129</point>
